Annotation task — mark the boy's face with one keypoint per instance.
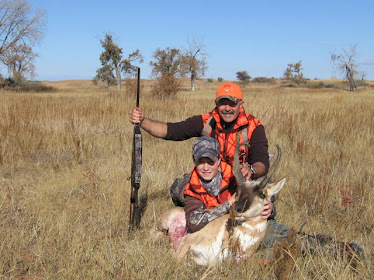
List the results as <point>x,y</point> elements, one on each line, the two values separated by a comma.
<point>206,168</point>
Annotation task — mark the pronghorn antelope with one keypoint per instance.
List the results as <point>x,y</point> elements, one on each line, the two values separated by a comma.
<point>238,234</point>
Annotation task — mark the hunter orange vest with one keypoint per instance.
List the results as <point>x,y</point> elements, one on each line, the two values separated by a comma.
<point>228,187</point>
<point>227,141</point>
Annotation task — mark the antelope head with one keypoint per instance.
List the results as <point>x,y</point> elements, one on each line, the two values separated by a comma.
<point>251,195</point>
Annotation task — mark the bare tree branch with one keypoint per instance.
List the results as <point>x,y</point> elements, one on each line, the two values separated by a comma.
<point>20,61</point>
<point>347,65</point>
<point>19,23</point>
<point>21,29</point>
<point>194,60</point>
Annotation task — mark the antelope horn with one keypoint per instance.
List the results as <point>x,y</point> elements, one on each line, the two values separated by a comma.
<point>271,169</point>
<point>240,179</point>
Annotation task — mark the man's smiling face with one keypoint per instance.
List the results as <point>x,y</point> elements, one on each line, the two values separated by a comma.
<point>228,110</point>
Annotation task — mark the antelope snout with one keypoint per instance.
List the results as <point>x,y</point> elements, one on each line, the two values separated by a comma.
<point>241,206</point>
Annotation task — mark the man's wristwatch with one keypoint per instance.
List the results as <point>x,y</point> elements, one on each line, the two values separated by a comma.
<point>253,169</point>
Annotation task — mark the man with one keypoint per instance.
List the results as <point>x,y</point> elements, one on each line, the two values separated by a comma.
<point>223,123</point>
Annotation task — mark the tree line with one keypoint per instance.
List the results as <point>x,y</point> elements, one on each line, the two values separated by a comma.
<point>169,64</point>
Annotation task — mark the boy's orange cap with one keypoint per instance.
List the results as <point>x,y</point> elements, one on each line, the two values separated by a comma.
<point>229,90</point>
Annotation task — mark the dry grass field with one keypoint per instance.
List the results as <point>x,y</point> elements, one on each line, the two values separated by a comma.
<point>64,195</point>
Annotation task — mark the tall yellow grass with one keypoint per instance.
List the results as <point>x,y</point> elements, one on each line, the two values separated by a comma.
<point>64,194</point>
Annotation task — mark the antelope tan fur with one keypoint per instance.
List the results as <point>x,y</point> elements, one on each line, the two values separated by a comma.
<point>236,235</point>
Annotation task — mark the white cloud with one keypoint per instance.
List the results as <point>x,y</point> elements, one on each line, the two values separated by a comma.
<point>330,43</point>
<point>304,44</point>
<point>367,61</point>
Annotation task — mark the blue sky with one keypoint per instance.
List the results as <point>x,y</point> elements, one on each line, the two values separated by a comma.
<point>260,37</point>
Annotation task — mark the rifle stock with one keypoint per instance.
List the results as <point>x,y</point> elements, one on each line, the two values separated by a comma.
<point>136,168</point>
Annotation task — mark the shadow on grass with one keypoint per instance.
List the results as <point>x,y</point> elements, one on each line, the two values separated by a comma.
<point>144,199</point>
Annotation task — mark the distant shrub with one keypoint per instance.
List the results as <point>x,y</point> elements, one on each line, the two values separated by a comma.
<point>294,73</point>
<point>319,85</point>
<point>315,85</point>
<point>243,76</point>
<point>131,86</point>
<point>220,79</point>
<point>361,83</point>
<point>166,86</point>
<point>30,89</point>
<point>16,85</point>
<point>289,85</point>
<point>8,82</point>
<point>210,80</point>
<point>264,80</point>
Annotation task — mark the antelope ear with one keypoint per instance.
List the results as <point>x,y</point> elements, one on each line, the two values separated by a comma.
<point>275,187</point>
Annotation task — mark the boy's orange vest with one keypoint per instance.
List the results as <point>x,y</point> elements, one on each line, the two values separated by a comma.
<point>228,187</point>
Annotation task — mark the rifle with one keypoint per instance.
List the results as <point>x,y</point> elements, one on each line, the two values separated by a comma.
<point>136,168</point>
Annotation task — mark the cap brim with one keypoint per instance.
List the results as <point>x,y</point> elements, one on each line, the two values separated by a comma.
<point>211,156</point>
<point>232,98</point>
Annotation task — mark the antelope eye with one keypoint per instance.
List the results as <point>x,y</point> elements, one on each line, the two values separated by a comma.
<point>262,196</point>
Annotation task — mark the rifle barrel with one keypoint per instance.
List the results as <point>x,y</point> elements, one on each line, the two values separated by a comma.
<point>136,168</point>
<point>138,89</point>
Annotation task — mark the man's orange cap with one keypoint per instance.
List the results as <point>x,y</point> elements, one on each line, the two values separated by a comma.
<point>230,91</point>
